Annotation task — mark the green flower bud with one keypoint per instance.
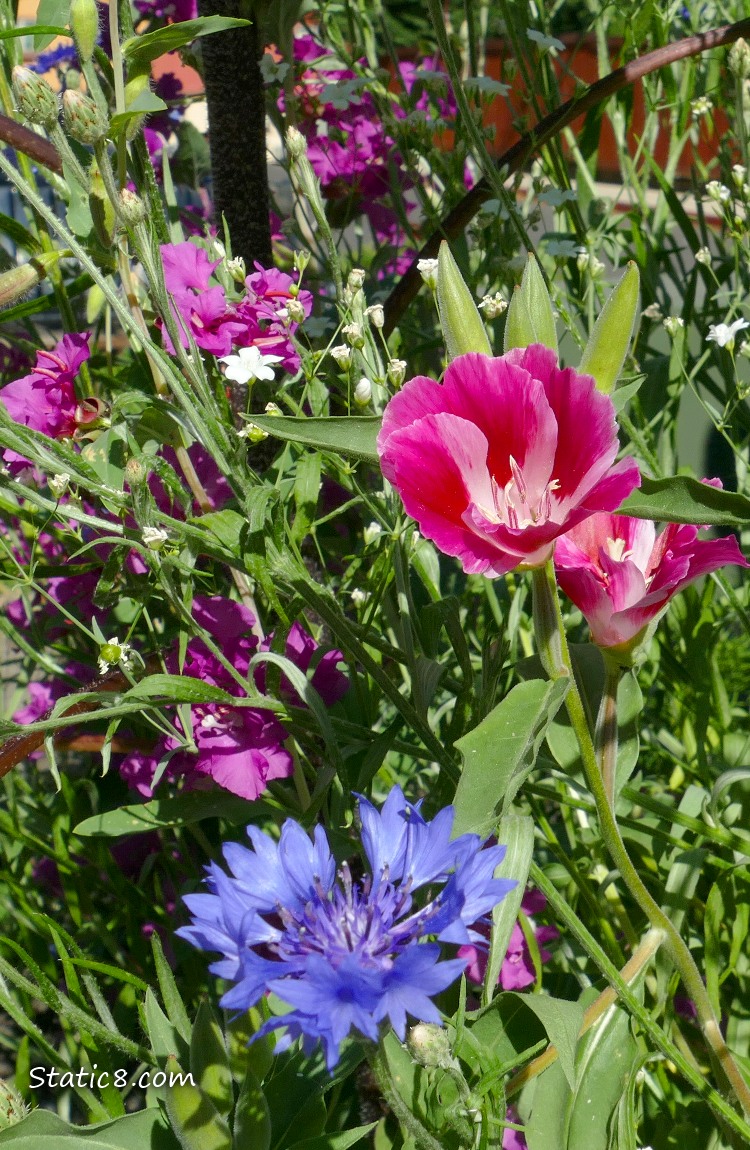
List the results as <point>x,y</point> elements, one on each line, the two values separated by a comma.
<point>83,118</point>
<point>131,208</point>
<point>739,59</point>
<point>429,1045</point>
<point>34,97</point>
<point>84,24</point>
<point>12,1106</point>
<point>14,284</point>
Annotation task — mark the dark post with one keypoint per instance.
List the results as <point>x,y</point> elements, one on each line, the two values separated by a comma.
<point>237,129</point>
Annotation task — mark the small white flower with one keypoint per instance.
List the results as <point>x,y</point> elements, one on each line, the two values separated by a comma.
<point>739,171</point>
<point>376,314</point>
<point>359,596</point>
<point>113,653</point>
<point>363,391</point>
<point>355,280</point>
<point>493,305</point>
<point>154,538</point>
<point>722,334</point>
<point>397,371</point>
<point>673,323</point>
<point>341,354</point>
<point>717,192</point>
<point>272,409</point>
<point>371,532</point>
<point>237,270</point>
<point>353,334</point>
<point>249,364</point>
<point>701,106</point>
<point>653,311</point>
<point>582,259</point>
<point>703,256</point>
<point>428,271</point>
<point>58,484</point>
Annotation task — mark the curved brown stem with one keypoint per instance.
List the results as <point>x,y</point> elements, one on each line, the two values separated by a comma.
<point>30,143</point>
<point>547,128</point>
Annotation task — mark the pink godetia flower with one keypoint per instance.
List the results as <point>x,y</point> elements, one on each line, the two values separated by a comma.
<point>45,400</point>
<point>503,457</point>
<point>621,574</point>
<point>517,971</point>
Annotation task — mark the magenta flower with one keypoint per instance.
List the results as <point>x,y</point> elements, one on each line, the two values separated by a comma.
<point>503,457</point>
<point>45,400</point>
<point>517,971</point>
<point>330,683</point>
<point>621,576</point>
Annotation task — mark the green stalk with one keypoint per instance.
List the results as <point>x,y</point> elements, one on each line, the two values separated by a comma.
<point>605,735</point>
<point>555,657</point>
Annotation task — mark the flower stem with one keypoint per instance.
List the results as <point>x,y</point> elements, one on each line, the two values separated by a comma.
<point>421,1135</point>
<point>605,735</point>
<point>555,657</point>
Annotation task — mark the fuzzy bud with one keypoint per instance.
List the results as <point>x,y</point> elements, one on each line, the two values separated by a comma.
<point>34,97</point>
<point>83,118</point>
<point>12,1106</point>
<point>14,284</point>
<point>84,24</point>
<point>429,1046</point>
<point>135,473</point>
<point>131,208</point>
<point>739,59</point>
<point>295,143</point>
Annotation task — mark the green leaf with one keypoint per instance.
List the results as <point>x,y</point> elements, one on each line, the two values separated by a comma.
<point>545,1124</point>
<point>530,318</point>
<point>349,435</point>
<point>460,320</point>
<point>195,1120</point>
<point>500,752</point>
<point>516,833</point>
<point>143,104</point>
<point>252,1120</point>
<point>50,12</point>
<point>179,811</point>
<point>340,1141</point>
<point>605,1064</point>
<point>682,499</point>
<point>610,339</point>
<point>140,50</point>
<point>165,1039</point>
<point>171,996</point>
<point>209,1061</point>
<point>562,1020</point>
<point>43,1130</point>
<point>178,689</point>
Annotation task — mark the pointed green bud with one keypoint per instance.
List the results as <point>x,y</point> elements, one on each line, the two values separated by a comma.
<point>14,284</point>
<point>84,120</point>
<point>460,320</point>
<point>209,1060</point>
<point>194,1118</point>
<point>84,24</point>
<point>35,99</point>
<point>609,341</point>
<point>530,318</point>
<point>131,208</point>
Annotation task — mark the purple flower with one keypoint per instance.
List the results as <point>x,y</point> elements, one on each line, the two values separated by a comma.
<point>330,683</point>
<point>45,400</point>
<point>345,955</point>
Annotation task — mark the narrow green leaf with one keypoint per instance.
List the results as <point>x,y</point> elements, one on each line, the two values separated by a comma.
<point>195,1120</point>
<point>530,318</point>
<point>460,320</point>
<point>143,49</point>
<point>171,996</point>
<point>252,1120</point>
<point>209,1061</point>
<point>610,339</point>
<point>143,105</point>
<point>516,833</point>
<point>500,752</point>
<point>349,435</point>
<point>165,1039</point>
<point>177,689</point>
<point>340,1141</point>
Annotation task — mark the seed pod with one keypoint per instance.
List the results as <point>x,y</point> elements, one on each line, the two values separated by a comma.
<point>83,118</point>
<point>35,99</point>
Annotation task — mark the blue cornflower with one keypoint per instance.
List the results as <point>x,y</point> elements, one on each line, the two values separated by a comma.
<point>55,58</point>
<point>344,954</point>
